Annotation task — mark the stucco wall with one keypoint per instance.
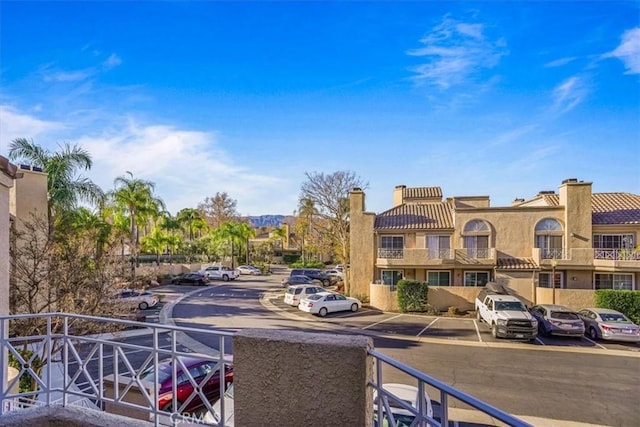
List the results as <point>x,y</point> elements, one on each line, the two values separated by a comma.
<point>5,185</point>
<point>461,297</point>
<point>29,196</point>
<point>273,370</point>
<point>575,299</point>
<point>576,197</point>
<point>382,298</point>
<point>362,246</point>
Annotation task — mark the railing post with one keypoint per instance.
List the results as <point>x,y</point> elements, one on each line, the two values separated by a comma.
<point>4,365</point>
<point>65,359</point>
<point>48,355</point>
<point>444,408</point>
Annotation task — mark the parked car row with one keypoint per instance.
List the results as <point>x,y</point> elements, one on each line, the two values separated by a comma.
<point>316,300</point>
<point>509,317</point>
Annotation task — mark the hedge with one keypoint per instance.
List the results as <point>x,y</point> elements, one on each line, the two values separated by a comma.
<point>412,295</point>
<point>626,302</point>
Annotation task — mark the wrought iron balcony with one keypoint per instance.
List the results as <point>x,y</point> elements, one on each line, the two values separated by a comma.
<point>554,253</point>
<point>617,254</point>
<point>79,369</point>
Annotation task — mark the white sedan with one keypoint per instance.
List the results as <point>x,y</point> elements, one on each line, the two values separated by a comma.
<point>141,300</point>
<point>328,302</point>
<point>249,269</point>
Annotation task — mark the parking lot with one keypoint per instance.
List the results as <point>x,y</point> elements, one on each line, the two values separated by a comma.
<point>423,327</point>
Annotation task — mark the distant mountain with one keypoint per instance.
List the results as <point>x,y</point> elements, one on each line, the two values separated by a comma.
<point>266,220</point>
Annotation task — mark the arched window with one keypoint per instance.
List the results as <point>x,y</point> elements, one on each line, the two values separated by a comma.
<point>476,239</point>
<point>549,234</point>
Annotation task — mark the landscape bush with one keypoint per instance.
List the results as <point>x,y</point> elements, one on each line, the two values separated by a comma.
<point>626,302</point>
<point>290,258</point>
<point>307,264</point>
<point>412,295</point>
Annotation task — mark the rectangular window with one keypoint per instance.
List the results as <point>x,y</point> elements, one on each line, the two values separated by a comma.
<point>391,277</point>
<point>477,246</point>
<point>613,241</point>
<point>476,278</point>
<point>614,281</point>
<point>392,242</point>
<point>439,278</point>
<point>544,280</point>
<point>438,247</point>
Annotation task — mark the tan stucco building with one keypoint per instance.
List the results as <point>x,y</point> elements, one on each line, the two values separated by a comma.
<point>572,240</point>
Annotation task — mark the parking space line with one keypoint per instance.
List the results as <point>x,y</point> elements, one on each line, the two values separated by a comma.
<point>427,327</point>
<point>382,321</point>
<point>593,342</point>
<point>477,330</point>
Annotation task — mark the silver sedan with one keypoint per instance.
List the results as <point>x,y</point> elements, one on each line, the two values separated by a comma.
<point>608,324</point>
<point>557,320</point>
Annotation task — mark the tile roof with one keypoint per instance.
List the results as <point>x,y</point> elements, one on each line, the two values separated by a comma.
<point>416,217</point>
<point>422,193</point>
<point>608,208</point>
<point>513,263</point>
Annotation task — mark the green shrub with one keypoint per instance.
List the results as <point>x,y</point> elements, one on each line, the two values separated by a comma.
<point>26,382</point>
<point>626,302</point>
<point>412,295</point>
<point>364,298</point>
<point>290,258</point>
<point>454,311</point>
<point>307,264</point>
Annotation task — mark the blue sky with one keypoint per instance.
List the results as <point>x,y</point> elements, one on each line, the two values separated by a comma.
<point>492,98</point>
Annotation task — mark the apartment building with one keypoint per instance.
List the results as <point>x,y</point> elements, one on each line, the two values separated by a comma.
<point>572,239</point>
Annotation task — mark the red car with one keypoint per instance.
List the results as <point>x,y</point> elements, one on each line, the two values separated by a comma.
<point>203,373</point>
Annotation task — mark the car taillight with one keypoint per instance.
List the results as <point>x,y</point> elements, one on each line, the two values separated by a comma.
<point>606,328</point>
<point>310,304</point>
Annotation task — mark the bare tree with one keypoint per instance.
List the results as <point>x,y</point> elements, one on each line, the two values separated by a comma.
<point>329,194</point>
<point>63,274</point>
<point>218,209</point>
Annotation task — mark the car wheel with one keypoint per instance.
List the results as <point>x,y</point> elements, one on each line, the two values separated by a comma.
<point>323,312</point>
<point>225,278</point>
<point>593,334</point>
<point>494,330</point>
<point>143,305</point>
<point>354,307</point>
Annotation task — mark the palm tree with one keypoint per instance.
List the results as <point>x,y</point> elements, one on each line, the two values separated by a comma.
<point>155,242</point>
<point>236,233</point>
<point>64,188</point>
<point>190,219</point>
<point>135,198</point>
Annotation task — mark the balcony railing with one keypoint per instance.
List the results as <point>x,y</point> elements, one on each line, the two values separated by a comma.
<point>554,253</point>
<point>384,253</point>
<point>86,361</point>
<point>478,253</point>
<point>617,254</point>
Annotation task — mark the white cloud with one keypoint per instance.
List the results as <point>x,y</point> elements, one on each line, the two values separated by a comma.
<point>628,51</point>
<point>67,76</point>
<point>560,62</point>
<point>455,52</point>
<point>16,124</point>
<point>186,166</point>
<point>112,61</point>
<point>568,94</point>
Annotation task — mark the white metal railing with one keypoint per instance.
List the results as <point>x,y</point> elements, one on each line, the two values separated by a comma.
<point>386,401</point>
<point>388,253</point>
<point>554,253</point>
<point>89,359</point>
<point>617,254</point>
<point>478,253</point>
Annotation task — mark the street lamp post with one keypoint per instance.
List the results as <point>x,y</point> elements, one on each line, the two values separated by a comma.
<point>554,264</point>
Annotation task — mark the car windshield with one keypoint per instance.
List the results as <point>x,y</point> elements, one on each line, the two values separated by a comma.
<point>564,315</point>
<point>164,373</point>
<point>509,306</point>
<point>615,318</point>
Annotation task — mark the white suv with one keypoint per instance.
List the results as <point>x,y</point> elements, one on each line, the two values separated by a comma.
<point>219,272</point>
<point>295,293</point>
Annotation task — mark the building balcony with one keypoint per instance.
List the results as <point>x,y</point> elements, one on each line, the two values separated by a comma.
<point>563,257</point>
<point>95,380</point>
<point>617,258</point>
<point>414,257</point>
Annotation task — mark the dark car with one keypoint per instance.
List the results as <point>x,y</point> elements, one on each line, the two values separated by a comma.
<point>314,273</point>
<point>298,280</point>
<point>557,320</point>
<point>190,279</point>
<point>204,373</point>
